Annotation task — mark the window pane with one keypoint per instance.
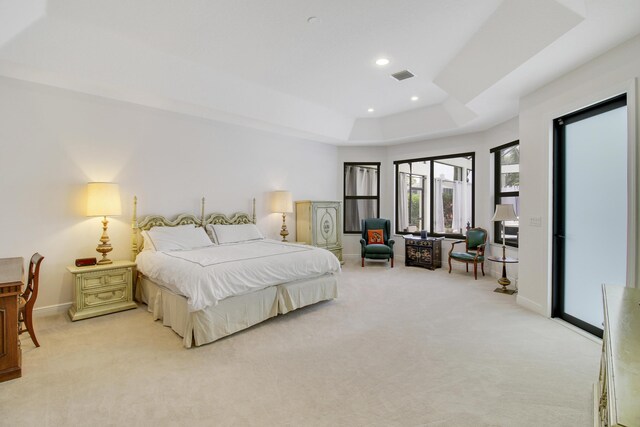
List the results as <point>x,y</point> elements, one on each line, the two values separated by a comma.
<point>416,209</point>
<point>511,227</point>
<point>452,195</point>
<point>510,169</point>
<point>361,198</point>
<point>412,181</point>
<point>361,180</point>
<point>441,170</point>
<point>357,210</point>
<point>450,200</point>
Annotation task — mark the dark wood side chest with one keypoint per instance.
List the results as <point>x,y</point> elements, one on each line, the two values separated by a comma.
<point>425,253</point>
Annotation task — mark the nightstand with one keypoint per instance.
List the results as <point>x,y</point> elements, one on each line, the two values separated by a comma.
<point>102,289</point>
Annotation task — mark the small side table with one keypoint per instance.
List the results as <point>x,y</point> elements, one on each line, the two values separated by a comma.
<point>504,281</point>
<point>102,289</point>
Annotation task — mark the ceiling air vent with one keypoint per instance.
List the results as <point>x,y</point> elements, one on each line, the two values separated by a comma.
<point>402,75</point>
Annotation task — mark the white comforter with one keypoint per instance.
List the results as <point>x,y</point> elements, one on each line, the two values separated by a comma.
<point>208,275</point>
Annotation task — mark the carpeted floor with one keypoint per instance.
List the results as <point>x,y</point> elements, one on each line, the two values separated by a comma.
<point>399,347</point>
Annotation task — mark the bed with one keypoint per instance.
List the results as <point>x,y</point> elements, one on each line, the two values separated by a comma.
<point>205,292</point>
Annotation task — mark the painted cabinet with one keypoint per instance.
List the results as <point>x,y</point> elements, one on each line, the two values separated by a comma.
<point>319,223</point>
<point>618,387</point>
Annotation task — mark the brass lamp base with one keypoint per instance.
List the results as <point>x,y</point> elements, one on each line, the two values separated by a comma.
<point>284,232</point>
<point>104,247</point>
<point>504,282</point>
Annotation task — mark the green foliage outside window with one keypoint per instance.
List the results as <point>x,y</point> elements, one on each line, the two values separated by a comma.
<point>416,203</point>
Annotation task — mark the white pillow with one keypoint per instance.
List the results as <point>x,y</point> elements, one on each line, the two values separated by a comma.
<point>147,244</point>
<point>234,233</point>
<point>182,237</point>
<point>209,229</point>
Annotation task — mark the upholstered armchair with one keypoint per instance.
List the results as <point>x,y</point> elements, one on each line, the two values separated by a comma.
<point>473,251</point>
<point>375,240</point>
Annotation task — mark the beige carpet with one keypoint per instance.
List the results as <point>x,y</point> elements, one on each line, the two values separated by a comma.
<point>400,347</point>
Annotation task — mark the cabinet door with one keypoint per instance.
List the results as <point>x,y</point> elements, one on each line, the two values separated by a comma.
<point>326,224</point>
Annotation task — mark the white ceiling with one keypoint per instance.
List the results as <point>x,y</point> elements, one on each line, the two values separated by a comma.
<point>261,64</point>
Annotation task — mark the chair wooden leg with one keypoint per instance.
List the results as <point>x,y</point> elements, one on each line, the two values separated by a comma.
<point>475,270</point>
<point>482,265</point>
<point>391,262</point>
<point>467,265</point>
<point>363,261</point>
<point>449,265</point>
<point>28,321</point>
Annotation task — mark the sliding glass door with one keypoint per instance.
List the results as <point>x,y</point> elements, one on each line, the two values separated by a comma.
<point>590,210</point>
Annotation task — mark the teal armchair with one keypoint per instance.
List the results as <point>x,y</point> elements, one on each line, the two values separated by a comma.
<point>382,250</point>
<point>473,252</point>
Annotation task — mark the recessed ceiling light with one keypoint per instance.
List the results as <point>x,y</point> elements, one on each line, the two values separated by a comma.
<point>371,110</point>
<point>414,98</point>
<point>313,20</point>
<point>382,61</point>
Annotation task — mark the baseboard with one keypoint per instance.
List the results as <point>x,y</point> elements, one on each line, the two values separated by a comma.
<point>578,331</point>
<point>530,305</point>
<point>52,309</point>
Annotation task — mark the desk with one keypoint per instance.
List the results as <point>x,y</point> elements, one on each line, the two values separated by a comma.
<point>10,289</point>
<point>503,280</point>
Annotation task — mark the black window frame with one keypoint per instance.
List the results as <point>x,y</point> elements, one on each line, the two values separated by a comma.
<point>498,194</point>
<point>431,160</point>
<point>345,197</point>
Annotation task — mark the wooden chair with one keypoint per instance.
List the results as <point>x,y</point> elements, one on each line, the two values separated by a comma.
<point>474,250</point>
<point>28,298</point>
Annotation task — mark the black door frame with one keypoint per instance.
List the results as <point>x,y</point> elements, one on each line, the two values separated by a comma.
<point>559,182</point>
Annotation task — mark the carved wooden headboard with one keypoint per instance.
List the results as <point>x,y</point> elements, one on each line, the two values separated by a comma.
<point>151,221</point>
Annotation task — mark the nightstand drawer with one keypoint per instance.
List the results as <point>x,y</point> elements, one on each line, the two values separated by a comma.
<point>100,279</point>
<point>104,296</point>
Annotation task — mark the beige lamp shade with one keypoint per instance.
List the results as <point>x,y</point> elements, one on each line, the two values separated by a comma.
<point>504,213</point>
<point>103,199</point>
<point>281,202</point>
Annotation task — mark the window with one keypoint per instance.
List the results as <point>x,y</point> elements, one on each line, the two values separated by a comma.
<point>435,194</point>
<point>361,194</point>
<point>507,188</point>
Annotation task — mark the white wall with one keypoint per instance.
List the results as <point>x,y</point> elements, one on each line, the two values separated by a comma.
<point>480,143</point>
<point>613,73</point>
<point>54,141</point>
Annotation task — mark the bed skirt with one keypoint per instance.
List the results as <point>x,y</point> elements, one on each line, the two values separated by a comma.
<point>231,314</point>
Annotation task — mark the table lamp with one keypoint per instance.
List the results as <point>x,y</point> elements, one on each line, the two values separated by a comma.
<point>281,203</point>
<point>103,199</point>
<point>504,213</point>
